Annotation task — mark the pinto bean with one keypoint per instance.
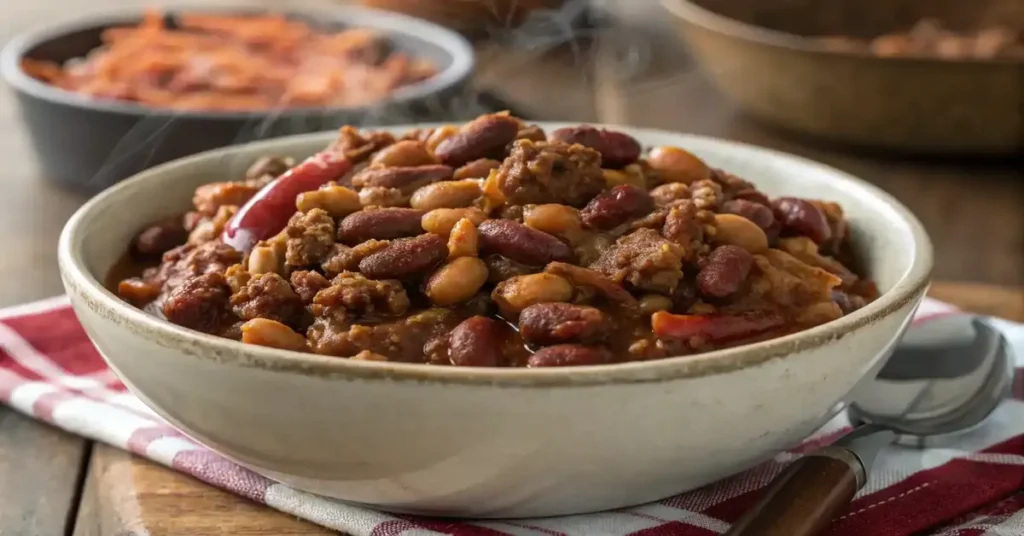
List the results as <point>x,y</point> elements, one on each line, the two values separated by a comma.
<point>406,153</point>
<point>405,258</point>
<point>519,292</point>
<point>441,221</point>
<point>569,355</point>
<point>456,281</point>
<point>724,272</point>
<point>739,231</point>
<point>678,165</point>
<point>554,219</point>
<point>555,323</point>
<point>463,240</point>
<point>447,194</point>
<point>338,201</point>
<point>521,243</point>
<point>617,149</point>
<point>271,333</point>
<point>476,342</point>
<point>380,224</point>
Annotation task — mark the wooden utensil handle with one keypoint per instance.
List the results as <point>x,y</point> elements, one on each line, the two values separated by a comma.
<point>806,497</point>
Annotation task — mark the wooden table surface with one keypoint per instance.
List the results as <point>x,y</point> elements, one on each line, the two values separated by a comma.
<point>52,483</point>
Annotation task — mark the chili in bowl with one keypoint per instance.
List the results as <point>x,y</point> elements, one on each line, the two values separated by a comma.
<point>497,244</point>
<point>465,320</point>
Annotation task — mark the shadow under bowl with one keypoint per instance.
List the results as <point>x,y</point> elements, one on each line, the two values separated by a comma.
<point>766,56</point>
<point>88,144</point>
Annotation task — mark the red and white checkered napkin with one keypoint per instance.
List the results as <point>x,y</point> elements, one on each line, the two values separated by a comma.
<point>50,370</point>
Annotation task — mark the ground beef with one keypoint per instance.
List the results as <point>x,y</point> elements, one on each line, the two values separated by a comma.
<point>357,295</point>
<point>346,259</point>
<point>645,260</point>
<point>358,146</point>
<point>730,184</point>
<point>310,238</point>
<point>210,197</point>
<point>268,296</point>
<point>307,283</point>
<point>684,225</point>
<point>550,172</point>
<point>706,194</point>
<point>188,261</point>
<point>200,303</point>
<point>500,268</point>
<point>407,339</point>
<point>208,228</point>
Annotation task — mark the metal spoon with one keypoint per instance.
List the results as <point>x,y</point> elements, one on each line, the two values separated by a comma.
<point>933,388</point>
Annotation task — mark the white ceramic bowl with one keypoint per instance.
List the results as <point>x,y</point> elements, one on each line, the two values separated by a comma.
<point>495,442</point>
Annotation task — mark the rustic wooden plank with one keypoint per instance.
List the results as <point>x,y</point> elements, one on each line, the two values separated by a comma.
<point>40,470</point>
<point>129,496</point>
<point>970,208</point>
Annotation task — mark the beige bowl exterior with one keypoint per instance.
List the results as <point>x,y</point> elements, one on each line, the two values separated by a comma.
<point>913,105</point>
<point>493,442</point>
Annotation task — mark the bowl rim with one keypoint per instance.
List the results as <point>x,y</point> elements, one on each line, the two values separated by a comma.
<point>701,16</point>
<point>462,53</point>
<point>90,292</point>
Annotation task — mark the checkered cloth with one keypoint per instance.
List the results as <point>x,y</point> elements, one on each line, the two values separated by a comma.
<point>50,371</point>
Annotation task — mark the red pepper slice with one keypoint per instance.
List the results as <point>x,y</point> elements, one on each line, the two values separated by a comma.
<point>716,327</point>
<point>267,213</point>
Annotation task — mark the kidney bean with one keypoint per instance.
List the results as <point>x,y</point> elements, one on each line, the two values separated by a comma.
<point>569,355</point>
<point>617,149</point>
<point>405,258</point>
<point>521,243</point>
<point>476,342</point>
<point>715,327</point>
<point>162,236</point>
<point>406,153</point>
<point>266,213</point>
<point>802,217</point>
<point>614,207</point>
<point>724,271</point>
<point>484,137</point>
<point>406,178</point>
<point>477,169</point>
<point>379,224</point>
<point>555,323</point>
<point>753,196</point>
<point>755,212</point>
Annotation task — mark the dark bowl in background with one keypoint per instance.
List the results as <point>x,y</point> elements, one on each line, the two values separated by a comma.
<point>764,55</point>
<point>89,144</point>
